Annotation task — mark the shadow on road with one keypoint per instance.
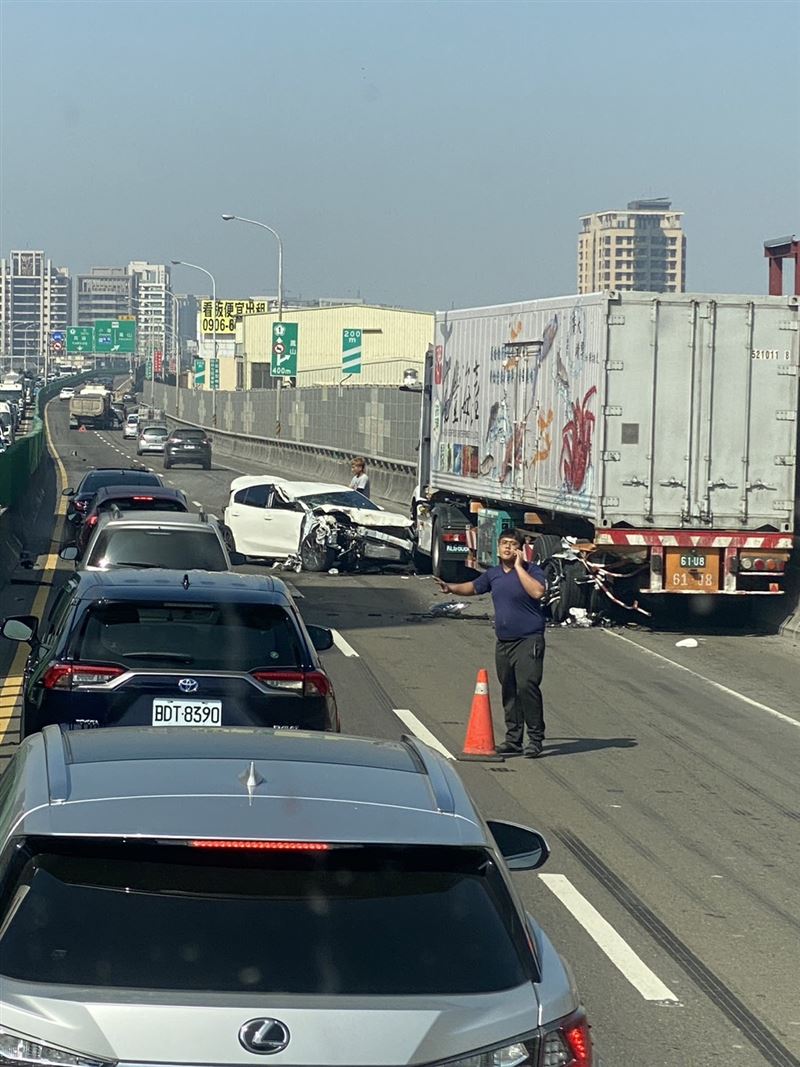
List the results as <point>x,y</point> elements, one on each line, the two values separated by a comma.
<point>571,746</point>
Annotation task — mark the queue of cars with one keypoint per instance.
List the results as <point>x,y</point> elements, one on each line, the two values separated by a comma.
<point>259,883</point>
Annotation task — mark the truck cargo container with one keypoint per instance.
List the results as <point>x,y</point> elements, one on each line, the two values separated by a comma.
<point>92,410</point>
<point>657,432</point>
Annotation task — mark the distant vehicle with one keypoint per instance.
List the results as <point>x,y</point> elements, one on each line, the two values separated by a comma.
<point>151,439</point>
<point>81,498</point>
<point>319,522</point>
<point>118,499</point>
<point>66,393</point>
<point>92,410</point>
<point>148,539</point>
<point>386,899</point>
<point>174,648</point>
<point>130,431</point>
<point>129,398</point>
<point>187,446</point>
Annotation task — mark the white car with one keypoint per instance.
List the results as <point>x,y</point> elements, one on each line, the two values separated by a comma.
<point>130,431</point>
<point>316,524</point>
<point>151,439</point>
<point>66,393</point>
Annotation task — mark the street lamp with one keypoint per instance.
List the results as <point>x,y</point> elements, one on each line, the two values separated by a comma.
<point>195,266</point>
<point>276,235</point>
<point>177,343</point>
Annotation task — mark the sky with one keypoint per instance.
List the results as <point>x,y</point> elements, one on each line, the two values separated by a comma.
<point>427,155</point>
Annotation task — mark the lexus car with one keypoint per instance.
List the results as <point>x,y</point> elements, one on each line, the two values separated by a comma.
<point>171,648</point>
<point>243,896</point>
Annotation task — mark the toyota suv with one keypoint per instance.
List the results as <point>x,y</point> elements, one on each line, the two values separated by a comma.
<point>167,648</point>
<point>215,897</point>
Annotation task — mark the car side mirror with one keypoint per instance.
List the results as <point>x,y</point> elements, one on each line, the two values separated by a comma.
<point>69,553</point>
<point>20,627</point>
<point>321,637</point>
<point>521,848</point>
<point>237,558</point>
<point>68,492</point>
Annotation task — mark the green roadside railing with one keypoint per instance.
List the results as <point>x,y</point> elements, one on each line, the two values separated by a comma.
<point>20,461</point>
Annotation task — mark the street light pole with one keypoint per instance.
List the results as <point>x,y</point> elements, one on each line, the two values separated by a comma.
<point>276,235</point>
<point>176,338</point>
<point>195,266</point>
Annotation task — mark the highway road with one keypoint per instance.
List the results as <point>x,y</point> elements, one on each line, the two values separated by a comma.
<point>668,788</point>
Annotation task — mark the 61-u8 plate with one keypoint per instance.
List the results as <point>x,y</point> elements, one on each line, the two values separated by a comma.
<point>169,712</point>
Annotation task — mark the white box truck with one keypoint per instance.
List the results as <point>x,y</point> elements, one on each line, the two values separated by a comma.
<point>657,432</point>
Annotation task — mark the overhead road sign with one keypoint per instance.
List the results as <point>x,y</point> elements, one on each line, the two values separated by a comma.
<point>80,339</point>
<point>214,376</point>
<point>115,335</point>
<point>351,351</point>
<point>199,372</point>
<point>284,350</point>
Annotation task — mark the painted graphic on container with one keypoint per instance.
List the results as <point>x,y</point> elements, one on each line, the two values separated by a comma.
<point>517,395</point>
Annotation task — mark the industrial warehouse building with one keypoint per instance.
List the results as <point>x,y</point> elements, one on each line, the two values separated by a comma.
<point>392,342</point>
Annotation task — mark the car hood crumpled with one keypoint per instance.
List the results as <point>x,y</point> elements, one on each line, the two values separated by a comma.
<point>367,517</point>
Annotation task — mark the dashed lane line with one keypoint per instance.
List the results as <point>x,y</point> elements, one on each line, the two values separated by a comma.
<point>344,647</point>
<point>420,730</point>
<point>701,677</point>
<point>615,947</point>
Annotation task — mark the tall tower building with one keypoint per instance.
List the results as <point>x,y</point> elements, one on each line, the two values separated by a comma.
<point>642,249</point>
<point>153,308</point>
<point>35,299</point>
<point>105,293</point>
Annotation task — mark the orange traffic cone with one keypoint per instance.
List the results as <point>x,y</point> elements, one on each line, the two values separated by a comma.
<point>82,429</point>
<point>479,742</point>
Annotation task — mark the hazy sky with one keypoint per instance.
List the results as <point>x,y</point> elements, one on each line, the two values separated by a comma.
<point>423,154</point>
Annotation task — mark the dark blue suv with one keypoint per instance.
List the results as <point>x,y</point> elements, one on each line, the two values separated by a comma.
<point>164,648</point>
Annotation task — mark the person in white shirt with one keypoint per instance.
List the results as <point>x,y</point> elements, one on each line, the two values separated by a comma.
<point>360,480</point>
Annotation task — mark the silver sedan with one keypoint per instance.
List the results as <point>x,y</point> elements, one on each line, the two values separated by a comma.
<point>151,439</point>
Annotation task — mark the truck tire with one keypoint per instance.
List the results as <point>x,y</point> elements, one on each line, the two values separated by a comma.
<point>314,556</point>
<point>570,593</point>
<point>447,570</point>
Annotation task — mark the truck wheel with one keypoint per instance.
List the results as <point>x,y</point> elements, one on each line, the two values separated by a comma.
<point>545,545</point>
<point>314,556</point>
<point>570,593</point>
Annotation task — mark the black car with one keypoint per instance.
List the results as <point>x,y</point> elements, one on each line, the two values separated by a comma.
<point>187,446</point>
<point>82,498</point>
<point>167,648</point>
<point>121,498</point>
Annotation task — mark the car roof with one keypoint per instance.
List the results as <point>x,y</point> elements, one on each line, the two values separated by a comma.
<point>128,583</point>
<point>292,488</point>
<point>156,491</point>
<point>240,783</point>
<point>124,471</point>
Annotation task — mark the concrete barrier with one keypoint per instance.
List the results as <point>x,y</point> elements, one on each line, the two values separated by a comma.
<point>391,480</point>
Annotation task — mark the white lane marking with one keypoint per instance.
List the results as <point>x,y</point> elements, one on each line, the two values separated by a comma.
<point>343,646</point>
<point>409,719</point>
<point>608,940</point>
<point>717,685</point>
<point>196,503</point>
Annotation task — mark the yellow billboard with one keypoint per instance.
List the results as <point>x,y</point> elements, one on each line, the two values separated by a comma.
<point>223,318</point>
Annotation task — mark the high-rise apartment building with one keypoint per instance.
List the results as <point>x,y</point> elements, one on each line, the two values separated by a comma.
<point>105,293</point>
<point>35,299</point>
<point>641,249</point>
<point>153,308</point>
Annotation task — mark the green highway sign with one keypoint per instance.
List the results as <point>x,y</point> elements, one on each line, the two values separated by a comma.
<point>80,339</point>
<point>115,335</point>
<point>214,375</point>
<point>199,372</point>
<point>148,370</point>
<point>284,349</point>
<point>351,351</point>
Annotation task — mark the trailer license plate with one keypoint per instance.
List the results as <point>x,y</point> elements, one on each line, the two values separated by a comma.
<point>168,712</point>
<point>692,571</point>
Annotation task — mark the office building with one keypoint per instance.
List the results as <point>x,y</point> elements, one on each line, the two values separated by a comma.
<point>105,293</point>
<point>153,308</point>
<point>640,249</point>
<point>35,299</point>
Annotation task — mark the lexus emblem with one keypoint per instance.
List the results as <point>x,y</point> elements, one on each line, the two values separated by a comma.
<point>188,685</point>
<point>264,1036</point>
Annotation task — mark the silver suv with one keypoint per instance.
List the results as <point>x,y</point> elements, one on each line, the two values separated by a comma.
<point>166,539</point>
<point>206,896</point>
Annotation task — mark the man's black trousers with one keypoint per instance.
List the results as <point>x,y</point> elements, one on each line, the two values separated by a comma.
<point>519,668</point>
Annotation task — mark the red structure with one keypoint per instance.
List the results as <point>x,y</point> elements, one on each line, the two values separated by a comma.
<point>776,251</point>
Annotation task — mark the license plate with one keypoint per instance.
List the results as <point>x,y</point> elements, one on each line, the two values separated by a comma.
<point>692,561</point>
<point>382,552</point>
<point>168,712</point>
<point>692,570</point>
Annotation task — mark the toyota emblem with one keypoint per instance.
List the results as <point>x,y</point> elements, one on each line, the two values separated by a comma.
<point>264,1036</point>
<point>188,685</point>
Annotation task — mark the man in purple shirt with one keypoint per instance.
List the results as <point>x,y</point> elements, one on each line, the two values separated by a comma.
<point>517,590</point>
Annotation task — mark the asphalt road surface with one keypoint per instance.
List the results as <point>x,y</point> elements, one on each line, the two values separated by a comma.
<point>668,789</point>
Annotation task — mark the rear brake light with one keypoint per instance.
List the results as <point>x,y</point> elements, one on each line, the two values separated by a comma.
<point>456,537</point>
<point>310,683</point>
<point>318,684</point>
<point>91,520</point>
<point>569,1043</point>
<point>71,675</point>
<point>149,498</point>
<point>265,846</point>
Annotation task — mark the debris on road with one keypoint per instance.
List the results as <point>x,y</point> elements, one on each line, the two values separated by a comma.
<point>687,642</point>
<point>448,611</point>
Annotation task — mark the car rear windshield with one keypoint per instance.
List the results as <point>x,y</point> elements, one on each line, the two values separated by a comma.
<point>97,479</point>
<point>154,431</point>
<point>371,921</point>
<point>187,435</point>
<point>198,549</point>
<point>227,637</point>
<point>347,498</point>
<point>142,503</point>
